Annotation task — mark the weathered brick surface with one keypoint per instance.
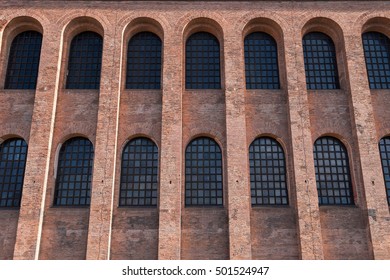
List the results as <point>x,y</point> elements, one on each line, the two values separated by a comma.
<point>344,233</point>
<point>135,234</point>
<point>233,116</point>
<point>64,235</point>
<point>205,234</point>
<point>274,234</point>
<point>8,225</point>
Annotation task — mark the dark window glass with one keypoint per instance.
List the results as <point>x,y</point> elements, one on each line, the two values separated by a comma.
<point>320,62</point>
<point>85,59</point>
<point>384,149</point>
<point>267,172</point>
<point>23,61</point>
<point>202,62</point>
<point>203,172</point>
<point>332,172</point>
<point>377,52</point>
<point>144,61</point>
<point>74,173</point>
<point>13,154</point>
<point>261,61</point>
<point>139,173</point>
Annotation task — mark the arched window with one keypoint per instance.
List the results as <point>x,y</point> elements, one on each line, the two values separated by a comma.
<point>144,62</point>
<point>384,148</point>
<point>13,153</point>
<point>139,173</point>
<point>203,172</point>
<point>377,53</point>
<point>202,62</point>
<point>74,173</point>
<point>23,61</point>
<point>85,59</point>
<point>320,61</point>
<point>332,172</point>
<point>261,61</point>
<point>267,172</point>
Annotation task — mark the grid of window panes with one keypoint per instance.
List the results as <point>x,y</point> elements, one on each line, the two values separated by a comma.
<point>144,62</point>
<point>23,61</point>
<point>384,148</point>
<point>377,53</point>
<point>85,59</point>
<point>267,172</point>
<point>332,172</point>
<point>13,153</point>
<point>203,173</point>
<point>139,173</point>
<point>261,61</point>
<point>320,61</point>
<point>203,62</point>
<point>74,172</point>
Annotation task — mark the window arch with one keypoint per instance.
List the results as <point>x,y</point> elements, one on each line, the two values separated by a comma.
<point>377,53</point>
<point>332,172</point>
<point>74,173</point>
<point>384,149</point>
<point>203,173</point>
<point>139,173</point>
<point>203,62</point>
<point>144,61</point>
<point>320,61</point>
<point>13,154</point>
<point>267,172</point>
<point>85,59</point>
<point>23,61</point>
<point>261,61</point>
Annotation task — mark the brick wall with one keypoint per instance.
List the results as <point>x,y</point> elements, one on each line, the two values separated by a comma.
<point>172,117</point>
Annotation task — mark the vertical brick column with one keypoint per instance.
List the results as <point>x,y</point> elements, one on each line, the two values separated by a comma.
<point>308,215</point>
<point>237,151</point>
<point>171,150</point>
<point>99,231</point>
<point>39,148</point>
<point>362,113</point>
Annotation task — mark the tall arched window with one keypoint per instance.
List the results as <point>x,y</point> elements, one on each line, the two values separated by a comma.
<point>85,59</point>
<point>139,173</point>
<point>377,53</point>
<point>74,173</point>
<point>320,61</point>
<point>261,61</point>
<point>332,172</point>
<point>13,154</point>
<point>384,149</point>
<point>144,62</point>
<point>203,62</point>
<point>23,61</point>
<point>203,172</point>
<point>267,172</point>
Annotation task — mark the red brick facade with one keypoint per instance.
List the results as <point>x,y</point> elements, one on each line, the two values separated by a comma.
<point>173,116</point>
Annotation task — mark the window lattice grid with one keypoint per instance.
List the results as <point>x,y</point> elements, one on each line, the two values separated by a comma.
<point>377,52</point>
<point>384,149</point>
<point>203,173</point>
<point>144,62</point>
<point>139,174</point>
<point>320,61</point>
<point>13,154</point>
<point>23,61</point>
<point>85,59</point>
<point>261,61</point>
<point>267,172</point>
<point>203,62</point>
<point>332,172</point>
<point>74,172</point>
